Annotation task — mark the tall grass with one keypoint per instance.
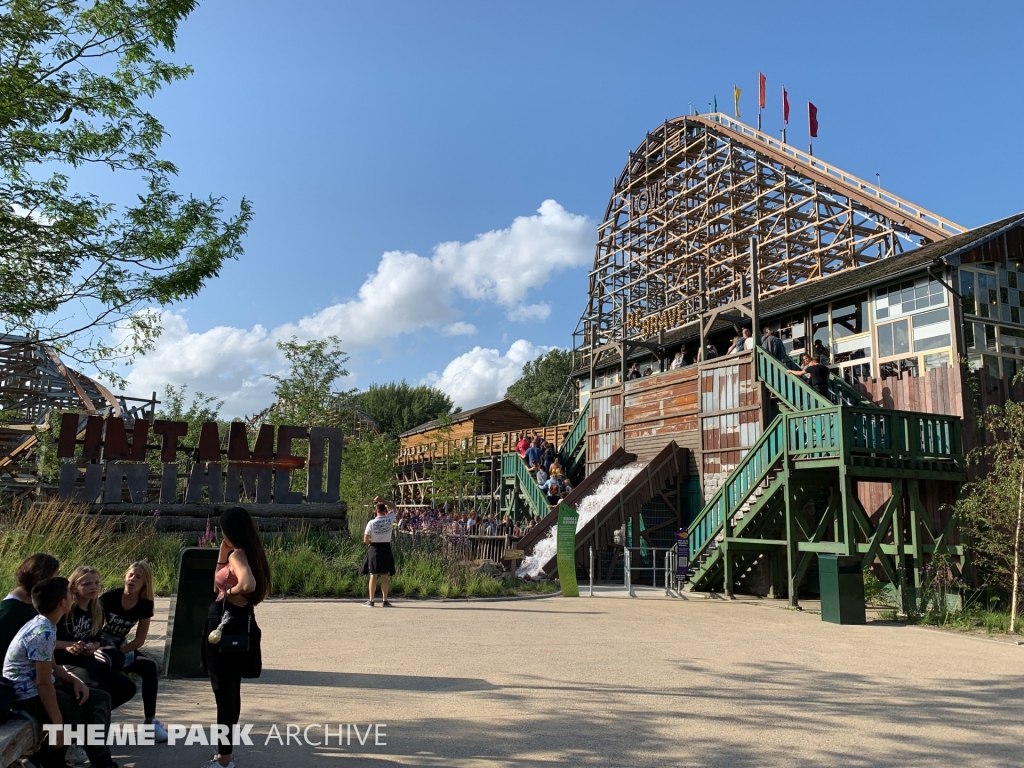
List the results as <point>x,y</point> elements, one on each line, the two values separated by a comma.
<point>61,528</point>
<point>306,563</point>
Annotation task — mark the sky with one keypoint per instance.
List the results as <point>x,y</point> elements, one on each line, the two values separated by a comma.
<point>427,177</point>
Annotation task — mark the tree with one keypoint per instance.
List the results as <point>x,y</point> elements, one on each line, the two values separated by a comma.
<point>989,511</point>
<point>73,77</point>
<point>396,407</point>
<point>306,396</point>
<point>538,389</point>
<point>368,471</point>
<point>202,409</point>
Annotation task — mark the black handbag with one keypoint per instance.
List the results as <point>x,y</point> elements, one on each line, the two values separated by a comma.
<point>235,642</point>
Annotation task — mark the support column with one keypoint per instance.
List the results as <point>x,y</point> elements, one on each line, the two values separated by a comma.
<point>898,518</point>
<point>791,545</point>
<point>848,488</point>
<point>916,544</point>
<point>727,570</point>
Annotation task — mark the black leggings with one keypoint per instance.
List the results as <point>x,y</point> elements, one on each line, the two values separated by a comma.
<point>147,670</point>
<point>226,678</point>
<point>96,674</point>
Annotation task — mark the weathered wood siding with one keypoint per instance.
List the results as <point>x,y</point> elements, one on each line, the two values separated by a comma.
<point>662,408</point>
<point>730,416</point>
<point>604,425</point>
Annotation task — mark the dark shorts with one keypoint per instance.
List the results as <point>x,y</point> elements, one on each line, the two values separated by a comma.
<point>379,560</point>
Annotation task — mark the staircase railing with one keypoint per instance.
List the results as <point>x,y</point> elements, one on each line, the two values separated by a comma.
<point>796,393</point>
<point>576,438</point>
<point>748,474</point>
<point>512,465</point>
<point>882,433</point>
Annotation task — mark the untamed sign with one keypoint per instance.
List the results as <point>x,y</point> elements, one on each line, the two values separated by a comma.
<point>110,458</point>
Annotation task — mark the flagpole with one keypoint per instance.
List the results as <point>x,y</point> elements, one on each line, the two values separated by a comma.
<point>783,113</point>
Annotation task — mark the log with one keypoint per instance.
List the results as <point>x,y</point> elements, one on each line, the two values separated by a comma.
<point>337,510</point>
<point>173,524</point>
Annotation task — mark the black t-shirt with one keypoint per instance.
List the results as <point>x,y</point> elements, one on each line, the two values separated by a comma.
<point>14,615</point>
<point>118,620</point>
<point>819,376</point>
<point>77,626</point>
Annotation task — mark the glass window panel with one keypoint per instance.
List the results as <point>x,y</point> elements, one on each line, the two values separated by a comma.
<point>901,337</point>
<point>1002,276</point>
<point>931,318</point>
<point>991,364</point>
<point>969,334</point>
<point>983,310</point>
<point>819,325</point>
<point>858,372</point>
<point>907,294</point>
<point>899,368</point>
<point>1012,279</point>
<point>1014,314</point>
<point>990,337</point>
<point>932,342</point>
<point>1014,298</point>
<point>1004,295</point>
<point>992,296</point>
<point>967,291</point>
<point>936,360</point>
<point>1020,298</point>
<point>1009,367</point>
<point>1004,313</point>
<point>885,348</point>
<point>850,317</point>
<point>882,313</point>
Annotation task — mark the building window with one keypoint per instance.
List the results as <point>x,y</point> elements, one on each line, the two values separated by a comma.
<point>857,372</point>
<point>931,330</point>
<point>819,326</point>
<point>899,368</point>
<point>850,317</point>
<point>894,339</point>
<point>906,298</point>
<point>967,292</point>
<point>938,360</point>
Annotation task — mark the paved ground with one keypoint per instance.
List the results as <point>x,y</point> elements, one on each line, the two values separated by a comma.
<point>616,682</point>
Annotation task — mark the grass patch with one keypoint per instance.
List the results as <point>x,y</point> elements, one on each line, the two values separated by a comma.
<point>303,564</point>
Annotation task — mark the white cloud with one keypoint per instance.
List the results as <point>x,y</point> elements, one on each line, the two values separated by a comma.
<point>407,292</point>
<point>459,329</point>
<point>226,362</point>
<point>482,375</point>
<point>502,266</point>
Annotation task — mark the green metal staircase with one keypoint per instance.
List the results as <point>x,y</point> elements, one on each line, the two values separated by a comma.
<point>520,493</point>
<point>814,445</point>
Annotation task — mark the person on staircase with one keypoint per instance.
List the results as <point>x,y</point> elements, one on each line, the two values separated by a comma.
<point>773,345</point>
<point>816,374</point>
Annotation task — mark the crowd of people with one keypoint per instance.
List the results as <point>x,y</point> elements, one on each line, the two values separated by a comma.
<point>546,467</point>
<point>67,653</point>
<point>454,523</point>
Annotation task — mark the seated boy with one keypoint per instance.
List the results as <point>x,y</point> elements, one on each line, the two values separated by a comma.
<point>29,665</point>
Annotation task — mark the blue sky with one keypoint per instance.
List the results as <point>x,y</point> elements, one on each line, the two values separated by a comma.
<point>365,129</point>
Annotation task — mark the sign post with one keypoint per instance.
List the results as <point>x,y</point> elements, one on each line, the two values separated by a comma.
<point>682,555</point>
<point>565,544</point>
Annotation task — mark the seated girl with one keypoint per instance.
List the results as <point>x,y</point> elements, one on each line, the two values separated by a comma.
<point>78,640</point>
<point>123,609</point>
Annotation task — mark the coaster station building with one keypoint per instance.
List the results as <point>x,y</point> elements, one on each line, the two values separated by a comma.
<point>713,227</point>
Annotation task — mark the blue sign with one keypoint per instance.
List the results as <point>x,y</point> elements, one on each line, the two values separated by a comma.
<point>682,553</point>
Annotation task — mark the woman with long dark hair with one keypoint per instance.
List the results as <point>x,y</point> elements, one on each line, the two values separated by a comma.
<point>231,648</point>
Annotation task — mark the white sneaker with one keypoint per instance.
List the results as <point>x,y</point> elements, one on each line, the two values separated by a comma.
<point>159,732</point>
<point>75,755</point>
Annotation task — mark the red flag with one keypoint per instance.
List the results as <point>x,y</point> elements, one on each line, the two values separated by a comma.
<point>760,90</point>
<point>812,119</point>
<point>785,106</point>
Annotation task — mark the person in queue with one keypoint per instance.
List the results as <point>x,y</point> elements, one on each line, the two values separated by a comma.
<point>241,582</point>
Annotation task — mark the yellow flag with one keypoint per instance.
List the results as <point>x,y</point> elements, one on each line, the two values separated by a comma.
<point>736,99</point>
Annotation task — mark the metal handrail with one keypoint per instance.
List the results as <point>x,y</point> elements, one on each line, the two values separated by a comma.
<point>796,392</point>
<point>575,438</point>
<point>512,465</point>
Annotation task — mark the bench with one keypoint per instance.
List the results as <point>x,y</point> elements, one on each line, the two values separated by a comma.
<point>17,737</point>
